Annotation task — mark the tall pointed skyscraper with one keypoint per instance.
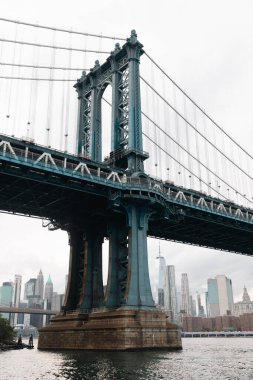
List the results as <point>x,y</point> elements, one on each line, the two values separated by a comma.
<point>16,295</point>
<point>48,294</point>
<point>161,278</point>
<point>39,287</point>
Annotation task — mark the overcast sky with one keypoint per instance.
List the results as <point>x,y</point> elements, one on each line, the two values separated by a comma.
<point>206,46</point>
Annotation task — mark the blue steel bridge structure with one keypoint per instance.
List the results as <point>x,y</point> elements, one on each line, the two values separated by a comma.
<point>118,197</point>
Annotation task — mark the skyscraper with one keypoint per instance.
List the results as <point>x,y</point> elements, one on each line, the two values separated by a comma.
<point>219,296</point>
<point>48,294</point>
<point>57,301</point>
<point>30,289</point>
<point>16,296</point>
<point>201,312</point>
<point>193,307</point>
<point>6,296</point>
<point>39,287</point>
<point>185,295</point>
<point>161,278</point>
<point>170,294</point>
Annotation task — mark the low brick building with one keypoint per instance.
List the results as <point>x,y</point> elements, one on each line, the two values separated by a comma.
<point>246,322</point>
<point>220,323</point>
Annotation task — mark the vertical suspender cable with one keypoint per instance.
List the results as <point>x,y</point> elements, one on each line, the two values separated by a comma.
<point>67,99</point>
<point>32,92</point>
<point>155,131</point>
<point>18,100</point>
<point>35,97</point>
<point>166,113</point>
<point>177,150</point>
<point>63,109</point>
<point>50,95</point>
<point>9,93</point>
<point>197,146</point>
<point>146,123</point>
<point>2,90</point>
<point>188,142</point>
<point>206,147</point>
<point>159,158</point>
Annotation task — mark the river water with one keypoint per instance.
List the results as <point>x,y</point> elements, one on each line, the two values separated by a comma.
<point>201,358</point>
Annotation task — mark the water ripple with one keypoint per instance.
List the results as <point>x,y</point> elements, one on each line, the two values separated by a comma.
<point>201,358</point>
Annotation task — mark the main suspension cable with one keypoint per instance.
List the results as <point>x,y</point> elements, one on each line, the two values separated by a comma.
<point>61,29</point>
<point>196,105</point>
<point>42,67</point>
<point>53,47</point>
<point>39,79</point>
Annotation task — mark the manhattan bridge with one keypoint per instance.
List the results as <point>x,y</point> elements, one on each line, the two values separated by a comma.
<point>98,140</point>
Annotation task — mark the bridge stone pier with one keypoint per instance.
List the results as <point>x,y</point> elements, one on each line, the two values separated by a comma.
<point>123,316</point>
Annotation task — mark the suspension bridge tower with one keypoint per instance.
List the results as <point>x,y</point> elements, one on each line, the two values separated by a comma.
<point>122,316</point>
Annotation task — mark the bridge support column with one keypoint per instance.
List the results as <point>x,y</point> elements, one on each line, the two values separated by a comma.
<point>76,254</point>
<point>118,260</point>
<point>92,294</point>
<point>129,320</point>
<point>85,283</point>
<point>138,291</point>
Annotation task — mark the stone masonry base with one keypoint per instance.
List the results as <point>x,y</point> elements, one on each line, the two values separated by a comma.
<point>111,330</point>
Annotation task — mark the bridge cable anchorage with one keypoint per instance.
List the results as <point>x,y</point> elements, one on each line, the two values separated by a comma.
<point>61,30</point>
<point>193,127</point>
<point>43,67</point>
<point>190,154</point>
<point>54,47</point>
<point>196,105</point>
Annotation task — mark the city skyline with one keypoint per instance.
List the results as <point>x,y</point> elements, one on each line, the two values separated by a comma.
<point>194,293</point>
<point>214,67</point>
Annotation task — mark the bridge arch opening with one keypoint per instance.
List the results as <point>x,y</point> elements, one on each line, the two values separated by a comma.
<point>106,120</point>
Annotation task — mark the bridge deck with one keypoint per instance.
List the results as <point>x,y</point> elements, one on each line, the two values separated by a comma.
<point>45,183</point>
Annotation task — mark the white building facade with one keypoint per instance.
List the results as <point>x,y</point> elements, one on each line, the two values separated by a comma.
<point>170,294</point>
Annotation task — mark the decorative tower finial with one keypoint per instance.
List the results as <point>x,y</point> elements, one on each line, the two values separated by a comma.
<point>117,47</point>
<point>133,37</point>
<point>97,65</point>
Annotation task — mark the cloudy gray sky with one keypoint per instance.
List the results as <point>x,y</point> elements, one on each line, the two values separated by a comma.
<point>206,46</point>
